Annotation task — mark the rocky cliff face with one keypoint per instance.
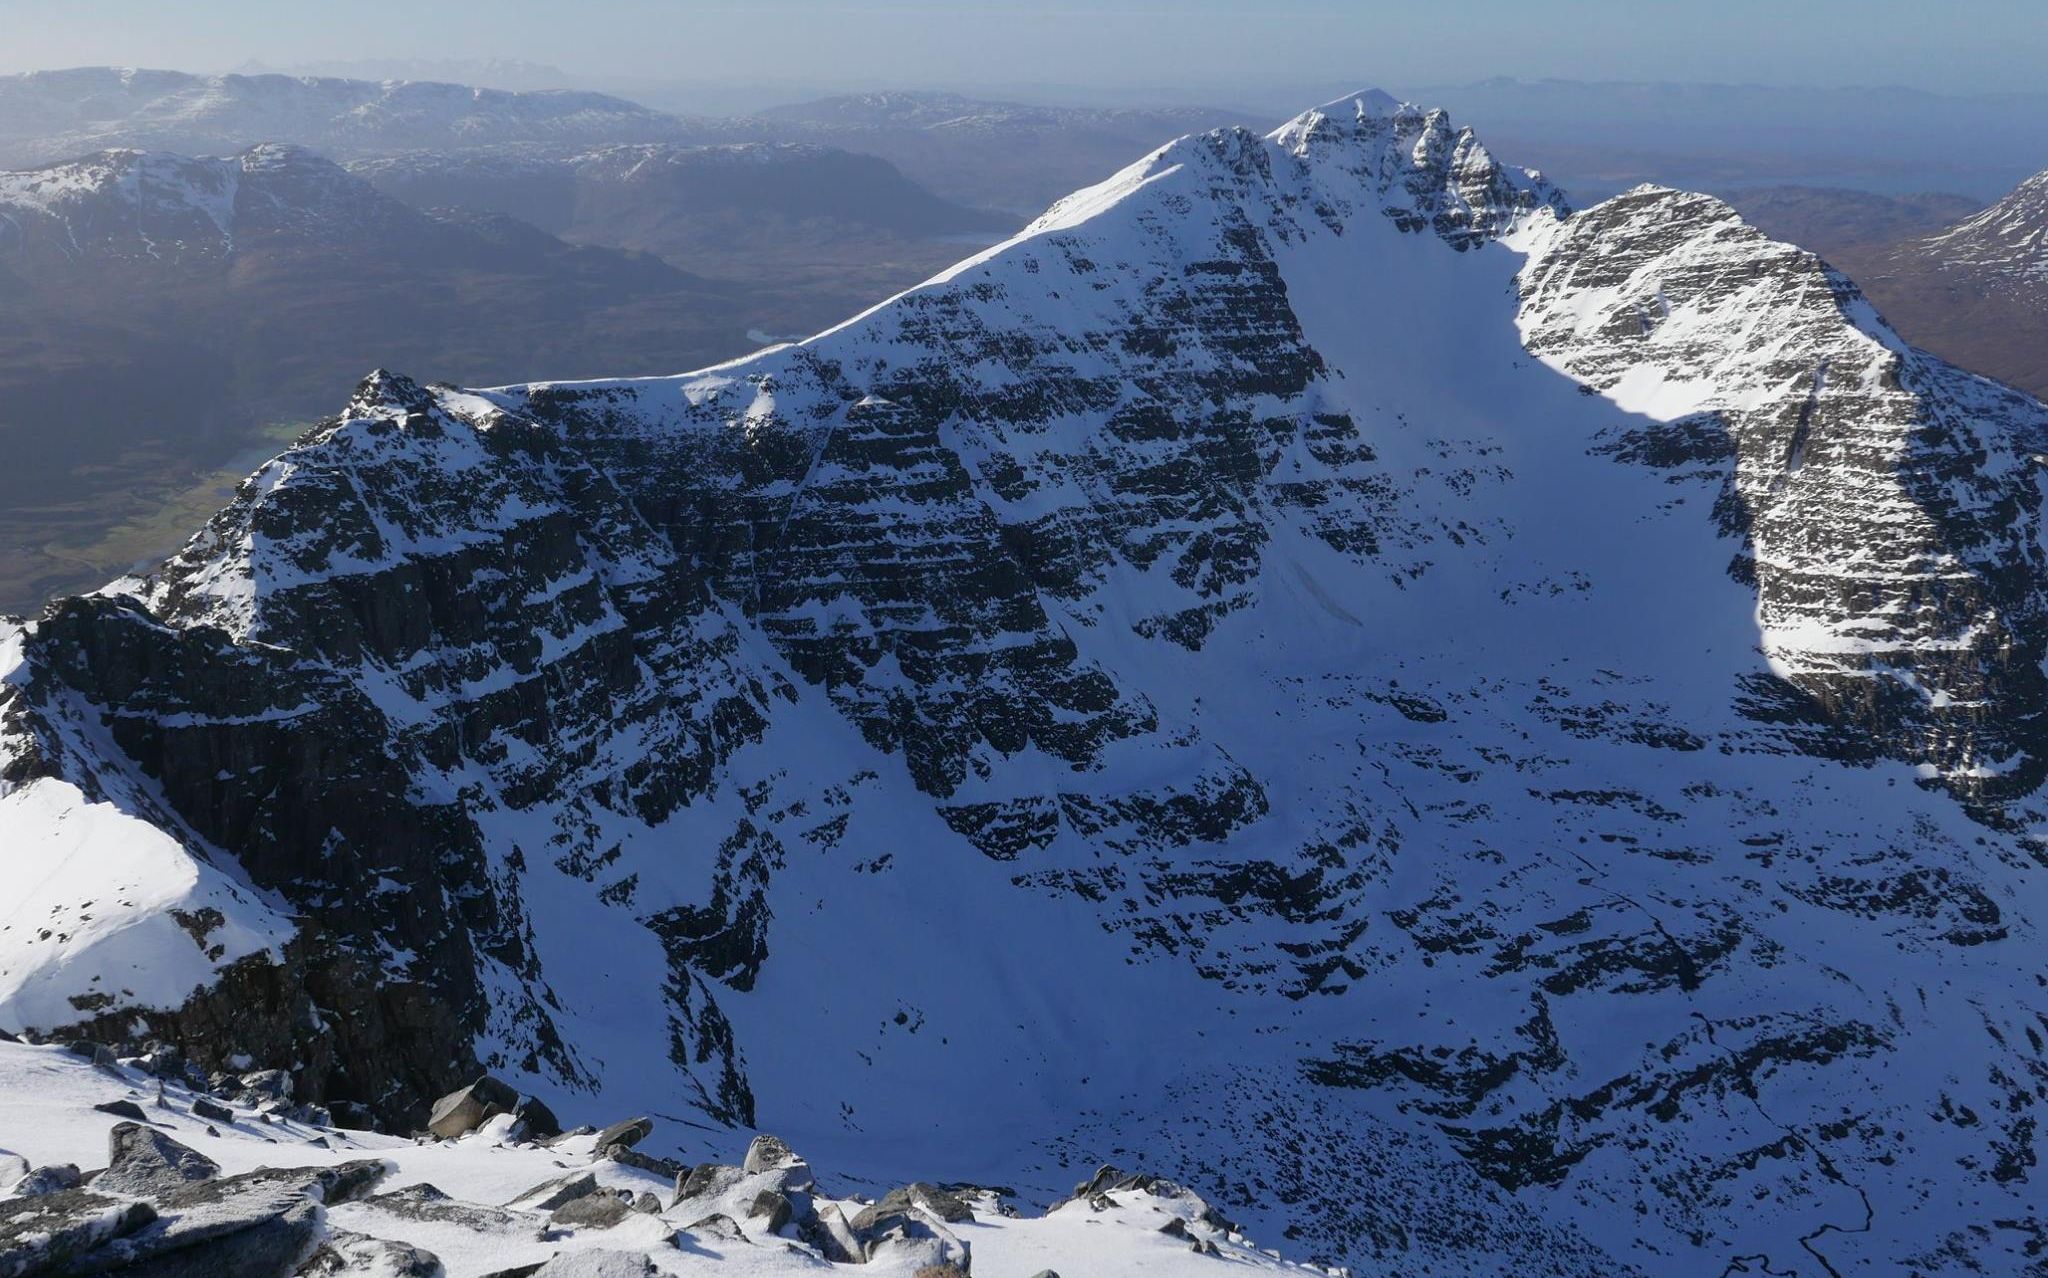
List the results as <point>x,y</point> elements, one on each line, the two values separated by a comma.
<point>1309,657</point>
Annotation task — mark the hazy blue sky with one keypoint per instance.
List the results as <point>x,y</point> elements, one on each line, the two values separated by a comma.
<point>1200,47</point>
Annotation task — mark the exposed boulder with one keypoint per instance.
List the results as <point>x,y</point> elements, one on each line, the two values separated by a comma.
<point>48,1179</point>
<point>143,1162</point>
<point>597,1263</point>
<point>255,1226</point>
<point>627,1156</point>
<point>827,1230</point>
<point>628,1133</point>
<point>720,1226</point>
<point>46,1232</point>
<point>536,1120</point>
<point>211,1110</point>
<point>1108,1180</point>
<point>903,1232</point>
<point>704,1182</point>
<point>265,1085</point>
<point>123,1109</point>
<point>766,1153</point>
<point>772,1207</point>
<point>921,1196</point>
<point>427,1203</point>
<point>601,1210</point>
<point>350,1253</point>
<point>549,1195</point>
<point>464,1110</point>
<point>163,1060</point>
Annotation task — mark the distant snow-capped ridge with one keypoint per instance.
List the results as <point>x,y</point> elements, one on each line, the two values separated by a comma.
<point>157,204</point>
<point>1482,737</point>
<point>2010,237</point>
<point>49,115</point>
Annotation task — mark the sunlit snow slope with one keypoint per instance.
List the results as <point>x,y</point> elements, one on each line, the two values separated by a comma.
<point>1486,741</point>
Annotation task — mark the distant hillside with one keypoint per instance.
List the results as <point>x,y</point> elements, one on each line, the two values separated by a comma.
<point>162,310</point>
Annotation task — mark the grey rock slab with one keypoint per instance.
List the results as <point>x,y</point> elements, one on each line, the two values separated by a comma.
<point>627,1156</point>
<point>597,1263</point>
<point>704,1182</point>
<point>41,1234</point>
<point>426,1203</point>
<point>593,1211</point>
<point>537,1119</point>
<point>766,1153</point>
<point>827,1230</point>
<point>771,1206</point>
<point>351,1253</point>
<point>631,1132</point>
<point>549,1195</point>
<point>270,1247</point>
<point>464,1110</point>
<point>145,1163</point>
<point>266,1085</point>
<point>48,1179</point>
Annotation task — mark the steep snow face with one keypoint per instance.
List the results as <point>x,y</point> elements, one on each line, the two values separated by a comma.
<point>1308,669</point>
<point>1888,504</point>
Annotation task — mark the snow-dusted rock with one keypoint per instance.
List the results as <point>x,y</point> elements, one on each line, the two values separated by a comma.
<point>628,1132</point>
<point>597,1264</point>
<point>143,1162</point>
<point>47,1232</point>
<point>47,1179</point>
<point>348,1253</point>
<point>465,1109</point>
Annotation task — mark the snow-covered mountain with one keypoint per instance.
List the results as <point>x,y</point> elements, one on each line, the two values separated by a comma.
<point>134,204</point>
<point>2009,240</point>
<point>1485,739</point>
<point>56,115</point>
<point>1976,292</point>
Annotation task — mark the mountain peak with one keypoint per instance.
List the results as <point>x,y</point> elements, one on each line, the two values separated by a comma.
<point>1450,677</point>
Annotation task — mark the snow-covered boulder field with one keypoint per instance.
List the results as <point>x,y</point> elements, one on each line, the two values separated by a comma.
<point>137,1167</point>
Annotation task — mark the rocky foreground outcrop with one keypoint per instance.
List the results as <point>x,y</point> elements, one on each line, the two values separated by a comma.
<point>149,1203</point>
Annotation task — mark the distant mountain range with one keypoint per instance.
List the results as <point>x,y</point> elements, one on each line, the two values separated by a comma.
<point>984,154</point>
<point>57,115</point>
